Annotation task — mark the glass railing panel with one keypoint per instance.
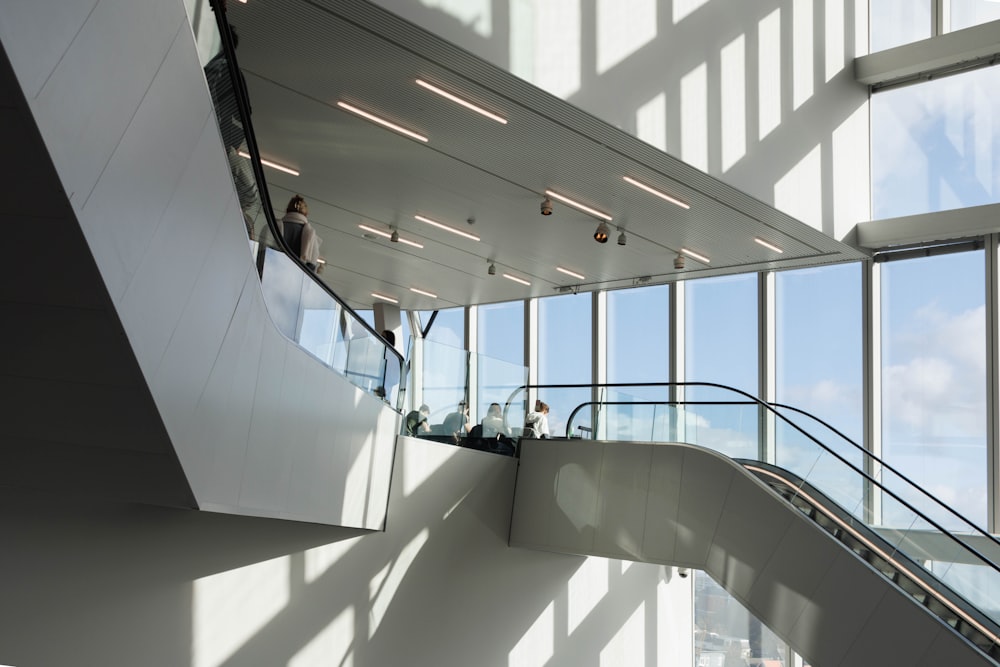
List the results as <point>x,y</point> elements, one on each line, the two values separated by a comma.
<point>832,472</point>
<point>438,379</point>
<point>302,308</point>
<point>732,429</point>
<point>497,380</point>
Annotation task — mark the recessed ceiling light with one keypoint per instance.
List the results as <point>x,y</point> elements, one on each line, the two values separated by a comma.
<point>458,100</point>
<point>516,279</point>
<point>425,293</point>
<point>445,227</point>
<point>570,273</point>
<point>384,297</point>
<point>381,121</point>
<point>692,253</point>
<point>769,246</point>
<point>272,165</point>
<point>388,235</point>
<point>654,191</point>
<point>576,204</point>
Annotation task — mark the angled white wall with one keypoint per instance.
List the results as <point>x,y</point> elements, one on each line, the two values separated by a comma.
<point>259,426</point>
<point>119,586</point>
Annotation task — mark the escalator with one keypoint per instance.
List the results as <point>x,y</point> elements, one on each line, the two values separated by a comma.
<point>836,552</point>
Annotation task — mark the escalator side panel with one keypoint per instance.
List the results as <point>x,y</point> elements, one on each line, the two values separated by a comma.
<point>662,504</point>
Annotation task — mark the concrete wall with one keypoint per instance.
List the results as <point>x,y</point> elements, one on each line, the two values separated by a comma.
<point>759,93</point>
<point>115,585</point>
<point>259,426</point>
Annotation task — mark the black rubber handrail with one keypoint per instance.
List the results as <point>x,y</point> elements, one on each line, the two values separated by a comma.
<point>243,104</point>
<point>752,400</point>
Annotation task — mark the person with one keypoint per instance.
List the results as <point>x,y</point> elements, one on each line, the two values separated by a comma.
<point>536,423</point>
<point>299,234</point>
<point>457,423</point>
<point>493,424</point>
<point>416,421</point>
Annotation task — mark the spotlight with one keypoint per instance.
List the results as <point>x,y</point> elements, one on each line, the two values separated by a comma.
<point>546,206</point>
<point>492,270</point>
<point>394,237</point>
<point>679,262</point>
<point>621,239</point>
<point>601,235</point>
<point>682,572</point>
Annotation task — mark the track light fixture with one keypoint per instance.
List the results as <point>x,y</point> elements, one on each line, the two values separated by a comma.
<point>492,270</point>
<point>679,262</point>
<point>394,237</point>
<point>601,235</point>
<point>621,237</point>
<point>546,206</point>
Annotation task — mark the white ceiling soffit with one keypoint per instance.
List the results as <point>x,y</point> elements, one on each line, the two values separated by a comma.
<point>301,57</point>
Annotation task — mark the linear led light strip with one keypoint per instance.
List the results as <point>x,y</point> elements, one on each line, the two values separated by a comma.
<point>769,246</point>
<point>692,253</point>
<point>381,121</point>
<point>653,191</point>
<point>384,297</point>
<point>856,535</point>
<point>458,100</point>
<point>516,279</point>
<point>387,235</point>
<point>445,227</point>
<point>272,165</point>
<point>420,291</point>
<point>576,204</point>
<point>570,273</point>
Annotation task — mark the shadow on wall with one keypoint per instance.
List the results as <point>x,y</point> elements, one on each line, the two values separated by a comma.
<point>127,585</point>
<point>760,94</point>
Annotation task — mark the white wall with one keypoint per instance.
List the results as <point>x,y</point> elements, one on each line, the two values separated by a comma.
<point>259,426</point>
<point>114,585</point>
<point>759,93</point>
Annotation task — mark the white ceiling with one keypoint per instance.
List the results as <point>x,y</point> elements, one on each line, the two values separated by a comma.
<point>300,57</point>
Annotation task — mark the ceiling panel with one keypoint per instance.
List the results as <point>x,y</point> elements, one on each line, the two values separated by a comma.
<point>300,58</point>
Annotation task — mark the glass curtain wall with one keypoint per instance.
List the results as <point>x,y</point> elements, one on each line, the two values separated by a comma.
<point>565,356</point>
<point>934,412</point>
<point>500,348</point>
<point>638,340</point>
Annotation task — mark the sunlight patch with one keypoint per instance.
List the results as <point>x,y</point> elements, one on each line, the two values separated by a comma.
<point>537,645</point>
<point>802,52</point>
<point>799,192</point>
<point>623,27</point>
<point>769,73</point>
<point>734,101</point>
<point>475,14</point>
<point>651,122</point>
<point>321,559</point>
<point>382,588</point>
<point>585,589</point>
<point>331,646</point>
<point>694,117</point>
<point>682,8</point>
<point>229,608</point>
<point>628,646</point>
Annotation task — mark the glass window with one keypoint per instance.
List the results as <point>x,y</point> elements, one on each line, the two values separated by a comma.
<point>936,145</point>
<point>638,351</point>
<point>934,378</point>
<point>725,633</point>
<point>967,13</point>
<point>818,369</point>
<point>501,369</point>
<point>896,22</point>
<point>720,344</point>
<point>564,357</point>
<point>448,327</point>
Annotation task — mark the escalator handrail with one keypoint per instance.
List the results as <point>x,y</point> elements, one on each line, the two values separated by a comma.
<point>961,607</point>
<point>243,104</point>
<point>755,401</point>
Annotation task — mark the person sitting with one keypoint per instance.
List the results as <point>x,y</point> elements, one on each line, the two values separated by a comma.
<point>457,423</point>
<point>416,421</point>
<point>536,423</point>
<point>493,424</point>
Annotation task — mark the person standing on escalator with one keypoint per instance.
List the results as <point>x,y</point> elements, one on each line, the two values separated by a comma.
<point>299,234</point>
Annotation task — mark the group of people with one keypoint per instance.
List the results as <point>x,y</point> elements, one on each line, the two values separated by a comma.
<point>458,425</point>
